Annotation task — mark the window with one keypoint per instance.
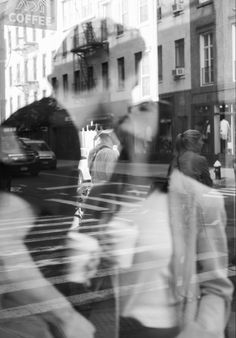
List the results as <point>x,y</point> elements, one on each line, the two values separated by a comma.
<point>105,75</point>
<point>179,53</point>
<point>17,36</point>
<point>145,75</point>
<point>10,76</point>
<point>105,10</point>
<point>123,16</point>
<point>143,11</point>
<point>35,96</point>
<point>11,105</point>
<point>206,58</point>
<point>18,102</point>
<point>44,65</point>
<point>86,8</point>
<point>124,12</point>
<point>121,72</point>
<point>76,36</point>
<point>9,41</point>
<point>54,83</point>
<point>64,47</point>
<point>26,70</point>
<point>18,73</point>
<point>160,65</point>
<point>65,83</point>
<point>35,68</point>
<point>233,51</point>
<point>25,33</point>
<point>34,34</point>
<point>77,80</point>
<point>137,61</point>
<point>90,77</point>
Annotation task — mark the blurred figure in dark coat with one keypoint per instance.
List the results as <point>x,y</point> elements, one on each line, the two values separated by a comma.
<point>188,158</point>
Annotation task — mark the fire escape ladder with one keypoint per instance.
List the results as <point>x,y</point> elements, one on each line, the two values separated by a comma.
<point>83,70</point>
<point>90,38</point>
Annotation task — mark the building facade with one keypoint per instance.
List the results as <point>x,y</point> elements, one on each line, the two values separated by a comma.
<point>103,55</point>
<point>213,75</point>
<point>174,69</point>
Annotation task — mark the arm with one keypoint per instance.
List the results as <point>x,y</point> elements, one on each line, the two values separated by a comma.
<point>205,176</point>
<point>62,313</point>
<point>215,288</point>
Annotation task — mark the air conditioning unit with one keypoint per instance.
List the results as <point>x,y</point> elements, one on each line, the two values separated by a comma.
<point>177,8</point>
<point>178,72</point>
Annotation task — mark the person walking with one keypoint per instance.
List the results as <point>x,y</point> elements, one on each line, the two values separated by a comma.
<point>188,158</point>
<point>170,274</point>
<point>102,158</point>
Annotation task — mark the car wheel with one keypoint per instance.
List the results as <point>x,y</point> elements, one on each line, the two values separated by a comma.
<point>80,178</point>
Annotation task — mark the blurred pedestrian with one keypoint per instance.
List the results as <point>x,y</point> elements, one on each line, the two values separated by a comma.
<point>169,254</point>
<point>188,158</point>
<point>103,157</point>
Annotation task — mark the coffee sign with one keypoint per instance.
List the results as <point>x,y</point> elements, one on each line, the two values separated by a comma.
<point>32,13</point>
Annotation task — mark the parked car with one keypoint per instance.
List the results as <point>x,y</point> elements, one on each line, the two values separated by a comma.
<point>83,170</point>
<point>47,157</point>
<point>17,157</point>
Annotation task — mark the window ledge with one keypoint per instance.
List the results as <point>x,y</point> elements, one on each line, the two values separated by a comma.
<point>204,4</point>
<point>207,85</point>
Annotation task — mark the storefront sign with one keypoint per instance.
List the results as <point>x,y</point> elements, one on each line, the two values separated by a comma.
<point>32,13</point>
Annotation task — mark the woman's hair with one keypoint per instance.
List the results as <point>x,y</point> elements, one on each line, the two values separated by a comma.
<point>188,140</point>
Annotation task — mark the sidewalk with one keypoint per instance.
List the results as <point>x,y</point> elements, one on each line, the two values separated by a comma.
<point>227,177</point>
<point>227,174</point>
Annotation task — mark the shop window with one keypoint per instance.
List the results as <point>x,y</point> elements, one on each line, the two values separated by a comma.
<point>206,59</point>
<point>121,72</point>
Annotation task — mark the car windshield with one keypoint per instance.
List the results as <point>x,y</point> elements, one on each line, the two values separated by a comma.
<point>38,146</point>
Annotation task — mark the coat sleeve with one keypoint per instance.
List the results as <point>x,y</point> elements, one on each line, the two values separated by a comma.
<point>215,287</point>
<point>205,176</point>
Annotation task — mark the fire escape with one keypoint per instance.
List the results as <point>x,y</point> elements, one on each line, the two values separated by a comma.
<point>87,41</point>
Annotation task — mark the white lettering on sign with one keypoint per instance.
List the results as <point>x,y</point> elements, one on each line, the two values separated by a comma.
<point>36,13</point>
<point>28,19</point>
